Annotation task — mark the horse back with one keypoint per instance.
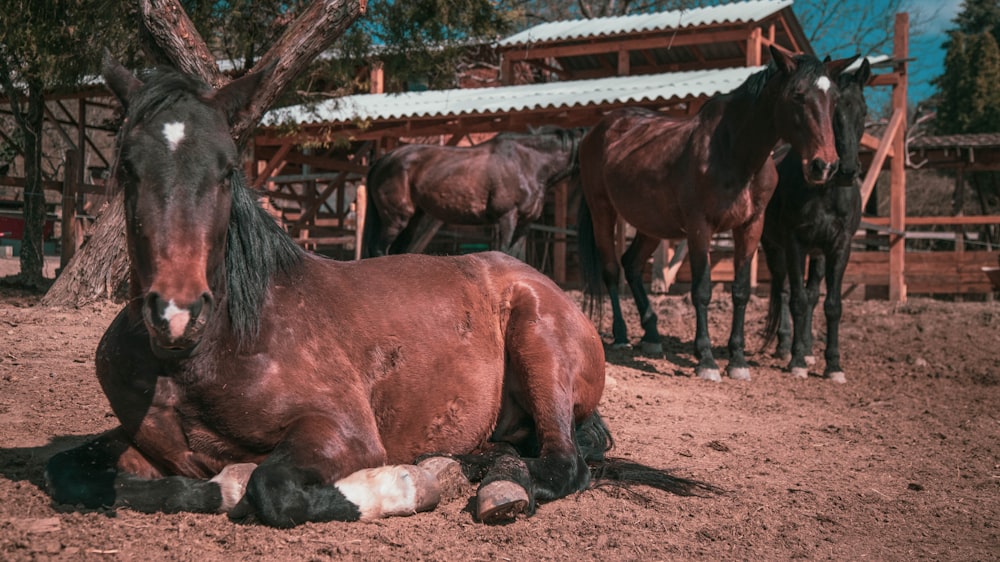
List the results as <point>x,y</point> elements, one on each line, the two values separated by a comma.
<point>642,162</point>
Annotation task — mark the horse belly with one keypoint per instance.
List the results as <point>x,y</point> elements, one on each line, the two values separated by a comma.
<point>444,396</point>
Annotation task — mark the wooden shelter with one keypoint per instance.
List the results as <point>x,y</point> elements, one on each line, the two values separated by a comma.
<point>311,159</point>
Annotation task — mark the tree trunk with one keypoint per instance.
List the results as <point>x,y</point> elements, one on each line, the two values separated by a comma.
<point>33,242</point>
<point>99,270</point>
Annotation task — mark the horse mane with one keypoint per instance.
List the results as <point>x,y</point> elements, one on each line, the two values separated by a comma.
<point>754,86</point>
<point>257,249</point>
<point>163,87</point>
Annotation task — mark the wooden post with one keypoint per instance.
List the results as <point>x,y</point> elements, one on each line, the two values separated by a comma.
<point>69,226</point>
<point>897,185</point>
<point>624,67</point>
<point>754,47</point>
<point>506,71</point>
<point>559,240</point>
<point>958,207</point>
<point>360,215</point>
<point>376,78</point>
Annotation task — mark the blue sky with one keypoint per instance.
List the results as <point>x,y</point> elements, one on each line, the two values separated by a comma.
<point>926,46</point>
<point>929,21</point>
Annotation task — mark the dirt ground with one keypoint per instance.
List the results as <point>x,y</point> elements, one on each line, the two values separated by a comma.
<point>900,463</point>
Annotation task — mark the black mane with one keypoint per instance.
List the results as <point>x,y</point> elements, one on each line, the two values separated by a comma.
<point>257,250</point>
<point>809,68</point>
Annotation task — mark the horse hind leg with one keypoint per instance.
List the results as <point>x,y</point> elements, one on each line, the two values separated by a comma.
<point>633,261</point>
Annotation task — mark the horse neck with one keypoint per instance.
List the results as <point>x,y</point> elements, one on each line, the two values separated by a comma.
<point>746,127</point>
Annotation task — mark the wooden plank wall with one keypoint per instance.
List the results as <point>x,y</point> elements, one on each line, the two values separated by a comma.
<point>926,272</point>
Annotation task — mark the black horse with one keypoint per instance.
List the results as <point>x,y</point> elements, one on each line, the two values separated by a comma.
<point>502,181</point>
<point>819,221</point>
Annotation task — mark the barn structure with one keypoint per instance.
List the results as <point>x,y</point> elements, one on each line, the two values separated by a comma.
<point>311,159</point>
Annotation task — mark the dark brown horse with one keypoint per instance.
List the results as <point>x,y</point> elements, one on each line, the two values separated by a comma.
<point>242,363</point>
<point>695,176</point>
<point>500,182</point>
<point>819,221</point>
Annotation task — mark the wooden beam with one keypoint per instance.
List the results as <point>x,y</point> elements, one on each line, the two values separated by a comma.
<point>272,165</point>
<point>963,220</point>
<point>884,146</point>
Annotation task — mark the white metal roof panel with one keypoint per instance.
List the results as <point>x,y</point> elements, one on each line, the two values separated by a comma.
<point>506,99</point>
<point>738,12</point>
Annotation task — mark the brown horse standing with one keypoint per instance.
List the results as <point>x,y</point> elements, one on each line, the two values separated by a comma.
<point>502,181</point>
<point>237,347</point>
<point>693,177</point>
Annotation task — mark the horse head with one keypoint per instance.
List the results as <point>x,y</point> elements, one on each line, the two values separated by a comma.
<point>175,166</point>
<point>805,100</point>
<point>849,122</point>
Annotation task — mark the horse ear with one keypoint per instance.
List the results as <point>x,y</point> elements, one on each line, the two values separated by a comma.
<point>119,79</point>
<point>236,95</point>
<point>834,68</point>
<point>786,63</point>
<point>863,74</point>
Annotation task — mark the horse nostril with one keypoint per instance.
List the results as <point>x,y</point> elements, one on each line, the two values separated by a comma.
<point>205,302</point>
<point>821,169</point>
<point>154,304</point>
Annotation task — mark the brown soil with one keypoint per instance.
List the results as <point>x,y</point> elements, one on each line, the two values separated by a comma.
<point>901,463</point>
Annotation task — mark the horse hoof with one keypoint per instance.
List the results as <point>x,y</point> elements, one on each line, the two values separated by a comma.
<point>232,481</point>
<point>800,373</point>
<point>837,376</point>
<point>617,345</point>
<point>652,348</point>
<point>448,472</point>
<point>782,354</point>
<point>500,501</point>
<point>739,373</point>
<point>709,374</point>
<point>810,360</point>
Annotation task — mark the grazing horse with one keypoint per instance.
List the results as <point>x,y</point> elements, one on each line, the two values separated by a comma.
<point>694,176</point>
<point>252,377</point>
<point>820,221</point>
<point>502,181</point>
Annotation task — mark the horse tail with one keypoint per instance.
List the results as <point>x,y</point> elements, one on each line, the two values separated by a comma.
<point>373,223</point>
<point>773,317</point>
<point>594,440</point>
<point>591,275</point>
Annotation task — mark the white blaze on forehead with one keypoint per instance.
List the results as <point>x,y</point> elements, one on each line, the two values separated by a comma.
<point>174,133</point>
<point>177,318</point>
<point>823,83</point>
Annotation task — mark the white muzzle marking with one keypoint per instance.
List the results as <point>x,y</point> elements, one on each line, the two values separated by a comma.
<point>176,318</point>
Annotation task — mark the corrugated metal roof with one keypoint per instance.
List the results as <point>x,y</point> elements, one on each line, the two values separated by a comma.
<point>739,12</point>
<point>506,99</point>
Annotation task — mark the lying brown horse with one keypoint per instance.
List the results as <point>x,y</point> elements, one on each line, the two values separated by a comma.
<point>502,182</point>
<point>238,347</point>
<point>695,176</point>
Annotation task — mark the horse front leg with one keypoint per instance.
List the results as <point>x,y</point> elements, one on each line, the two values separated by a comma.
<point>701,296</point>
<point>330,469</point>
<point>813,282</point>
<point>633,263</point>
<point>109,472</point>
<point>795,257</point>
<point>835,266</point>
<point>746,243</point>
